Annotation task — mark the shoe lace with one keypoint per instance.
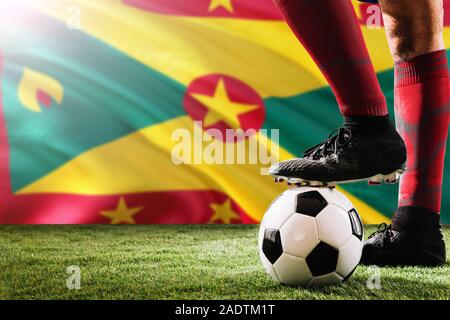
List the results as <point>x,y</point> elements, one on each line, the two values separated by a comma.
<point>385,230</point>
<point>337,139</point>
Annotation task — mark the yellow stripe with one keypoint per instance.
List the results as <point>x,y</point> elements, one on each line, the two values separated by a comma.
<point>264,54</point>
<point>141,162</point>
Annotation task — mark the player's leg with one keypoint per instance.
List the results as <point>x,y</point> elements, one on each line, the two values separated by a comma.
<point>368,144</point>
<point>422,97</point>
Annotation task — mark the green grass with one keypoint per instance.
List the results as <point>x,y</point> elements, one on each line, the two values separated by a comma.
<point>175,262</point>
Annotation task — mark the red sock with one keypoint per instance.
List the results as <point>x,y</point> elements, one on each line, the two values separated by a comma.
<point>330,32</point>
<point>422,97</point>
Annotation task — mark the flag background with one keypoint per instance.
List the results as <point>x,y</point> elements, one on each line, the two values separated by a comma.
<point>91,92</point>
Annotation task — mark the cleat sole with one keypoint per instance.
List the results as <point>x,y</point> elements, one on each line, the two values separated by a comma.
<point>375,180</point>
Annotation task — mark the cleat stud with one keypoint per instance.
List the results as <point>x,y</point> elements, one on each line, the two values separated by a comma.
<point>378,178</point>
<point>293,181</point>
<point>390,178</point>
<point>316,183</point>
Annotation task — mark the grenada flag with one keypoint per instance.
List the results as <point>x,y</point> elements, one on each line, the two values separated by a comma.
<point>96,95</point>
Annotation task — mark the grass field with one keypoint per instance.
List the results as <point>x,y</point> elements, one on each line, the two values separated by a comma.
<point>175,262</point>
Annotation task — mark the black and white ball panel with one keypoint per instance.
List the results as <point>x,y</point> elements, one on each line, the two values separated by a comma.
<point>349,256</point>
<point>334,196</point>
<point>299,235</point>
<point>322,259</point>
<point>281,210</point>
<point>292,270</point>
<point>271,245</point>
<point>310,203</point>
<point>356,223</point>
<point>334,225</point>
<point>268,266</point>
<point>327,279</point>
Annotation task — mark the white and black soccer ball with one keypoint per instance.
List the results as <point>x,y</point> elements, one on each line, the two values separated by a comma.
<point>310,236</point>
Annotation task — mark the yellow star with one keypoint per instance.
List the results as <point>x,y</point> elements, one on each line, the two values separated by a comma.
<point>221,108</point>
<point>214,4</point>
<point>223,212</point>
<point>122,213</point>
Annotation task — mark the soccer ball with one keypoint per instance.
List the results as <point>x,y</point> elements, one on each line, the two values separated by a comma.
<point>310,237</point>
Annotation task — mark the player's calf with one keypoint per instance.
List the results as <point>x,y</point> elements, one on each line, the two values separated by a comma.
<point>413,28</point>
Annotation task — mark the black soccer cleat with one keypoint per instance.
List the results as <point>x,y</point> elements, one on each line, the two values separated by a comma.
<point>387,247</point>
<point>348,155</point>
